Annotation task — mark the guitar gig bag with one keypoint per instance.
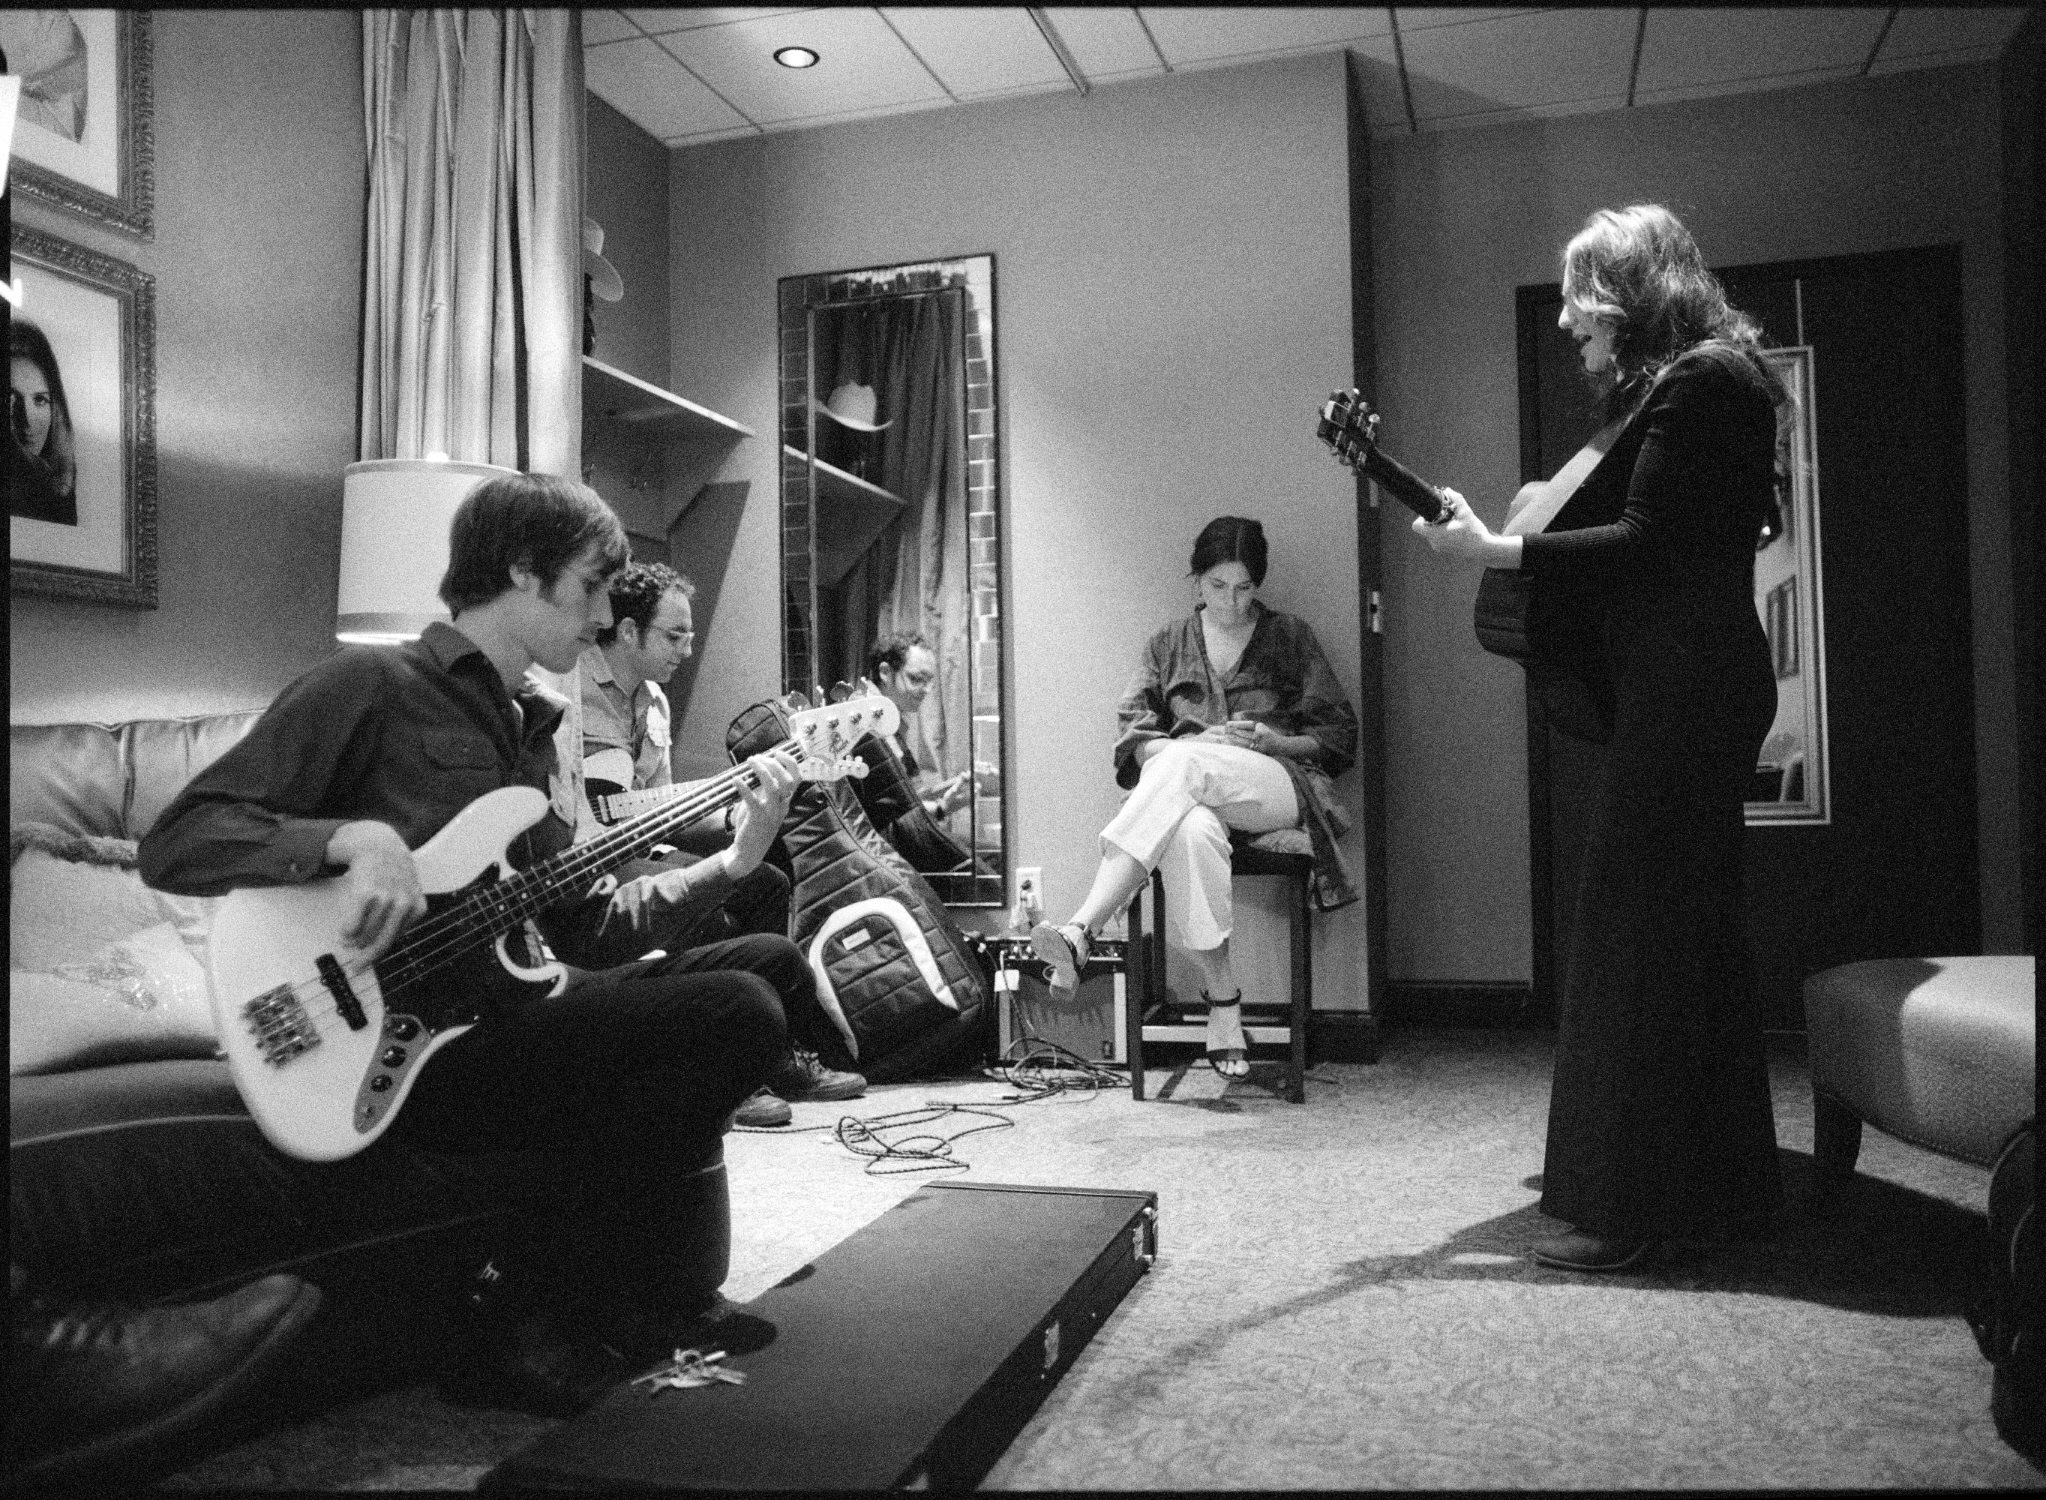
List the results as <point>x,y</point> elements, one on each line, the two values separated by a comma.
<point>893,970</point>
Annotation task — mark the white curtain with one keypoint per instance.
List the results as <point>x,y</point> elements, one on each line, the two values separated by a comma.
<point>472,282</point>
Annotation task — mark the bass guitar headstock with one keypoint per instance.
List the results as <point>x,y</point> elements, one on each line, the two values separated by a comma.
<point>825,735</point>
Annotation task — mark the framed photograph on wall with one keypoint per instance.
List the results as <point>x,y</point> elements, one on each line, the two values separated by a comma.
<point>82,139</point>
<point>81,507</point>
<point>1793,781</point>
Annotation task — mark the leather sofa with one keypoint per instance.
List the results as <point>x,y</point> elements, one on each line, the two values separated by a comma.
<point>148,1180</point>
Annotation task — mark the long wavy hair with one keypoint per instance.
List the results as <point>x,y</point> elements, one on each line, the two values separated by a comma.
<point>58,461</point>
<point>1639,268</point>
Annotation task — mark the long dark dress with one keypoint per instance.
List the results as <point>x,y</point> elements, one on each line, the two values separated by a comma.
<point>1659,1116</point>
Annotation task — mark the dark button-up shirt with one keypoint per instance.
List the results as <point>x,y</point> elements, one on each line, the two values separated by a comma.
<point>407,736</point>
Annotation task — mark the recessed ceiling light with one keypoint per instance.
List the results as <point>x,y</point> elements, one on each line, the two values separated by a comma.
<point>796,57</point>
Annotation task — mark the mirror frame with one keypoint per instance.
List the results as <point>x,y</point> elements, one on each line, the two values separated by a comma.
<point>799,300</point>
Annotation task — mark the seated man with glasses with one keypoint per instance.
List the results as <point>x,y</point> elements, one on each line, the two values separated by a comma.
<point>626,743</point>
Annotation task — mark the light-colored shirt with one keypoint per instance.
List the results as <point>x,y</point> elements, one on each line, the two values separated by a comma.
<point>635,722</point>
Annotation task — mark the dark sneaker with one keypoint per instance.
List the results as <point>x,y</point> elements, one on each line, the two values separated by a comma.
<point>802,1075</point>
<point>762,1112</point>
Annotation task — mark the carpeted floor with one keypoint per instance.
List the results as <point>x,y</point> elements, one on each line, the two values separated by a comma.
<point>1340,1302</point>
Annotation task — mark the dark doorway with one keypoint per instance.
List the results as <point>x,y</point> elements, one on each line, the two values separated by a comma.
<point>1895,872</point>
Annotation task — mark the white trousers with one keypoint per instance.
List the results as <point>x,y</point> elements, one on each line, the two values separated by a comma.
<point>1188,797</point>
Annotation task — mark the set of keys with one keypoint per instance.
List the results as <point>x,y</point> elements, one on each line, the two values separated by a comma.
<point>688,1369</point>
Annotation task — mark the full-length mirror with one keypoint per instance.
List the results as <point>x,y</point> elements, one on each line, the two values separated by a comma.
<point>891,563</point>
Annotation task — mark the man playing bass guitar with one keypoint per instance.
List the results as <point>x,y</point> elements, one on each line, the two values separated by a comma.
<point>636,1068</point>
<point>625,745</point>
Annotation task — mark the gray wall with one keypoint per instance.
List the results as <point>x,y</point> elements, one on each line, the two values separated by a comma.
<point>625,189</point>
<point>258,266</point>
<point>1172,291</point>
<point>1461,217</point>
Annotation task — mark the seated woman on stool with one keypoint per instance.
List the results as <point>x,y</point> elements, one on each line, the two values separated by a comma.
<point>1233,721</point>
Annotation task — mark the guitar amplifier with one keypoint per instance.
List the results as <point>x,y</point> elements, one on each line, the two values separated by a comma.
<point>1089,1024</point>
<point>907,1356</point>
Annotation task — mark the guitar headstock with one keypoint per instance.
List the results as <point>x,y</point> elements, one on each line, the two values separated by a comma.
<point>1348,425</point>
<point>825,735</point>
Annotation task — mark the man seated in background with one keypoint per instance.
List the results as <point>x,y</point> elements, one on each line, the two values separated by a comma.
<point>904,806</point>
<point>627,743</point>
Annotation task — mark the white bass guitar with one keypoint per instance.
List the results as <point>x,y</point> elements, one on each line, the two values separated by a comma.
<point>324,1044</point>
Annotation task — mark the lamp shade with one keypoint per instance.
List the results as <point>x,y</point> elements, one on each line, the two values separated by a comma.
<point>394,543</point>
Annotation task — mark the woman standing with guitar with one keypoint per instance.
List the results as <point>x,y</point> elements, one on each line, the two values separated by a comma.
<point>1659,1118</point>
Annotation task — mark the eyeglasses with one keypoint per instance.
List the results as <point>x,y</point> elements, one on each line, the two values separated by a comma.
<point>677,637</point>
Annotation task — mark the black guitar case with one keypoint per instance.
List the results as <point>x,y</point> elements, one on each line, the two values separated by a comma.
<point>908,995</point>
<point>887,793</point>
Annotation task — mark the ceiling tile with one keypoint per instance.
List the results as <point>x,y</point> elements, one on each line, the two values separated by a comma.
<point>1921,29</point>
<point>657,22</point>
<point>678,142</point>
<point>1917,60</point>
<point>1198,35</point>
<point>1421,18</point>
<point>1541,58</point>
<point>1107,42</point>
<point>1688,46</point>
<point>655,92</point>
<point>976,52</point>
<point>606,26</point>
<point>862,65</point>
<point>1743,85</point>
<point>865,112</point>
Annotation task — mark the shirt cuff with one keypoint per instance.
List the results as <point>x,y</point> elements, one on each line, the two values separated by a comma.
<point>300,849</point>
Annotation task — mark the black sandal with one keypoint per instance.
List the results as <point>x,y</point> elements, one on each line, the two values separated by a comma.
<point>1064,952</point>
<point>1218,1056</point>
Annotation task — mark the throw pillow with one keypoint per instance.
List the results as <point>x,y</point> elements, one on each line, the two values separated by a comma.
<point>68,893</point>
<point>140,998</point>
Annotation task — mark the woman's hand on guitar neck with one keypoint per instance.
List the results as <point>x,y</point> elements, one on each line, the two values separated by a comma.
<point>381,882</point>
<point>1464,535</point>
<point>763,803</point>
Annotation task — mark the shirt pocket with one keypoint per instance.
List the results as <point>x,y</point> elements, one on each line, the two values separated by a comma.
<point>465,764</point>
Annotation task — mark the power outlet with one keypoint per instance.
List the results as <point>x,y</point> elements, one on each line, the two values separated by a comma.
<point>1030,886</point>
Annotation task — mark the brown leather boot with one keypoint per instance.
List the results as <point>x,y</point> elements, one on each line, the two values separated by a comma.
<point>89,1382</point>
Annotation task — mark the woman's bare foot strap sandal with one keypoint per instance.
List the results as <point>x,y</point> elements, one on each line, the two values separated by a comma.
<point>1064,951</point>
<point>1231,1060</point>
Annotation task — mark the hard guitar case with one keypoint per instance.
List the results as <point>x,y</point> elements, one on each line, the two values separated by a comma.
<point>907,1356</point>
<point>914,1002</point>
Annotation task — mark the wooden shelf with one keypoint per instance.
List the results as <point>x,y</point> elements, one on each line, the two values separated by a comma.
<point>612,396</point>
<point>850,514</point>
<point>649,451</point>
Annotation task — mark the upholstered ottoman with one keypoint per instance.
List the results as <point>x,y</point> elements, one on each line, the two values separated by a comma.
<point>1938,1052</point>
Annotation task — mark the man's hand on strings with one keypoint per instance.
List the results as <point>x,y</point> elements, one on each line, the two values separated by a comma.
<point>380,882</point>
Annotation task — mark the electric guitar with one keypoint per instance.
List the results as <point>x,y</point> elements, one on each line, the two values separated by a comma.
<point>324,1043</point>
<point>1350,427</point>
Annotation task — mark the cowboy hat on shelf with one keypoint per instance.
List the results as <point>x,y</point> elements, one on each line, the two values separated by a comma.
<point>604,278</point>
<point>853,405</point>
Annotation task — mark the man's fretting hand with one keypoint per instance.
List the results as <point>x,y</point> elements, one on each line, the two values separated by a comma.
<point>762,806</point>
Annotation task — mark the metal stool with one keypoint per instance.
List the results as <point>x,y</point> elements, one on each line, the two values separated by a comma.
<point>1147,1016</point>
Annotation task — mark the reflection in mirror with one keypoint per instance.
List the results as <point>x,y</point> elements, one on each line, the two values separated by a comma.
<point>1791,783</point>
<point>890,545</point>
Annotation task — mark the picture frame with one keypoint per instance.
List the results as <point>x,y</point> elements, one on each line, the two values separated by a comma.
<point>1792,783</point>
<point>83,141</point>
<point>82,498</point>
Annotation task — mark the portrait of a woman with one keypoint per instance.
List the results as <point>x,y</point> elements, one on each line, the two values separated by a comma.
<point>45,466</point>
